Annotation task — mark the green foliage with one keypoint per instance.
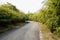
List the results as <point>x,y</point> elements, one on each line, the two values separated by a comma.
<point>9,14</point>
<point>58,31</point>
<point>49,15</point>
<point>10,6</point>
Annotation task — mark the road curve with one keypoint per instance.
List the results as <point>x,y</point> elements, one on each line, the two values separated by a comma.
<point>28,32</point>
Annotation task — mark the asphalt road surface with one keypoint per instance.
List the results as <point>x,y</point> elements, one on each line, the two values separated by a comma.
<point>29,31</point>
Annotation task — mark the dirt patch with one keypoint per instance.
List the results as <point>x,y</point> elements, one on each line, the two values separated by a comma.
<point>47,35</point>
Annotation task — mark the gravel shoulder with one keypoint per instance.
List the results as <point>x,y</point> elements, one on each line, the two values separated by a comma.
<point>47,35</point>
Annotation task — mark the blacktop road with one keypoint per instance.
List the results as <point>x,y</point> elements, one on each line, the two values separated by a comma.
<point>29,31</point>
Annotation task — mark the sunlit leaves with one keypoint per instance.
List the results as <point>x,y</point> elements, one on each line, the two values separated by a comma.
<point>10,14</point>
<point>50,15</point>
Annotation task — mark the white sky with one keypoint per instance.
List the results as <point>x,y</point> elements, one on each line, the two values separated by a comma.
<point>25,5</point>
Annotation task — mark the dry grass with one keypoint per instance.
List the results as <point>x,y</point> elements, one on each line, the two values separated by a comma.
<point>47,35</point>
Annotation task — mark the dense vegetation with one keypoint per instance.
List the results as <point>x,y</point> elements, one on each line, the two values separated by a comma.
<point>49,15</point>
<point>9,14</point>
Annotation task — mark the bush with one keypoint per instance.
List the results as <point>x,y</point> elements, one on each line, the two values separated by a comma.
<point>10,16</point>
